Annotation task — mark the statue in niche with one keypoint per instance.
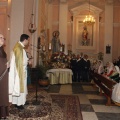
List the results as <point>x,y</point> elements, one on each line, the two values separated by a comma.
<point>55,42</point>
<point>85,40</point>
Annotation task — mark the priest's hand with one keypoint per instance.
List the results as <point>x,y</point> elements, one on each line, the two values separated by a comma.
<point>30,62</point>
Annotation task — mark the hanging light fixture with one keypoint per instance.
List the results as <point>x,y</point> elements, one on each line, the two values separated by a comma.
<point>89,19</point>
<point>32,27</point>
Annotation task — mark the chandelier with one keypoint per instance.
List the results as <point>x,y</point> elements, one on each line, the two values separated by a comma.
<point>32,27</point>
<point>89,19</point>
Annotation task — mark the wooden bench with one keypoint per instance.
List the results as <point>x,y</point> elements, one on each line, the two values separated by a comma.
<point>105,84</point>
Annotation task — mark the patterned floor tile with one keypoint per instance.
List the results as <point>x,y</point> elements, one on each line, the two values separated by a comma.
<point>54,89</point>
<point>86,108</point>
<point>66,89</point>
<point>98,101</point>
<point>91,103</point>
<point>108,116</point>
<point>95,97</point>
<point>89,116</point>
<point>83,99</point>
<point>106,109</point>
<point>91,92</point>
<point>89,88</point>
<point>77,88</point>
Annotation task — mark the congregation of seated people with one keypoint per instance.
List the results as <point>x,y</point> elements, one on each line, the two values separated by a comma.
<point>110,70</point>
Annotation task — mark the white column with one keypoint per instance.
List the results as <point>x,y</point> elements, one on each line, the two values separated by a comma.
<point>73,35</point>
<point>108,31</point>
<point>35,35</point>
<point>16,21</point>
<point>63,24</point>
<point>50,21</point>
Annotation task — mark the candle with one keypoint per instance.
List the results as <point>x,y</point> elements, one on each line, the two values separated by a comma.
<point>50,46</point>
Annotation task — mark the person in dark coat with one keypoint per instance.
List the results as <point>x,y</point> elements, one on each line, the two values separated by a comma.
<point>118,62</point>
<point>80,68</point>
<point>73,66</point>
<point>3,81</point>
<point>86,69</point>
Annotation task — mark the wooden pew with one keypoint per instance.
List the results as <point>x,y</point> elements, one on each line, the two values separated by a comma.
<point>105,85</point>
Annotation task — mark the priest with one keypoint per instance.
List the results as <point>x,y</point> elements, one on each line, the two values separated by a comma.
<point>18,73</point>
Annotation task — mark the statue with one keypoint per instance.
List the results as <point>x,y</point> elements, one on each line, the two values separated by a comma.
<point>55,42</point>
<point>85,36</point>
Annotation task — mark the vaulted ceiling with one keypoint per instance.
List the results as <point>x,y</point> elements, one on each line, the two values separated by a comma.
<point>96,2</point>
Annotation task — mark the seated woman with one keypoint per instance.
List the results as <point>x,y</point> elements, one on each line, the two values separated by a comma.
<point>100,67</point>
<point>110,69</point>
<point>116,74</point>
<point>116,94</point>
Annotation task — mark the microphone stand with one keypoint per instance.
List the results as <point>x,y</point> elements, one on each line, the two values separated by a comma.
<point>36,102</point>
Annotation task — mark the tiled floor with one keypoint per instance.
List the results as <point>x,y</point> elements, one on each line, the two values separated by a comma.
<point>92,104</point>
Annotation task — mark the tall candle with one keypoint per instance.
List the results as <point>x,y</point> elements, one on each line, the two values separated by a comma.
<point>50,46</point>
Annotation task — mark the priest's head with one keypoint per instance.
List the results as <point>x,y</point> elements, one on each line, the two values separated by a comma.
<point>24,38</point>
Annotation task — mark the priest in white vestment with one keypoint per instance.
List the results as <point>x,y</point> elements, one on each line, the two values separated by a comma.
<point>18,73</point>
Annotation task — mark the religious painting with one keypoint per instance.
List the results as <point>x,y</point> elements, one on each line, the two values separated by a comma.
<point>85,34</point>
<point>108,49</point>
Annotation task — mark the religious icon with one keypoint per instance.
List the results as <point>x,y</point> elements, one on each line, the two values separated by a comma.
<point>108,49</point>
<point>85,36</point>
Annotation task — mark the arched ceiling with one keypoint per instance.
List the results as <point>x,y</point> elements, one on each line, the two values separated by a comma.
<point>85,7</point>
<point>71,3</point>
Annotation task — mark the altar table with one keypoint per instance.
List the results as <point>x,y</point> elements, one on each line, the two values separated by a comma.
<point>59,76</point>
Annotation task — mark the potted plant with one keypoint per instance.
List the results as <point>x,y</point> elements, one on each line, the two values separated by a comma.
<point>43,79</point>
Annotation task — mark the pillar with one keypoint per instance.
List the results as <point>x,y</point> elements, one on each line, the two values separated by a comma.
<point>108,31</point>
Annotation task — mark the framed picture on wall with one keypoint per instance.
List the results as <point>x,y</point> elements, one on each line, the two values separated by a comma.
<point>108,49</point>
<point>84,34</point>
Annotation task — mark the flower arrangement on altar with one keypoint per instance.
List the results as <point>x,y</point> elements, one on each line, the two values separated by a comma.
<point>60,60</point>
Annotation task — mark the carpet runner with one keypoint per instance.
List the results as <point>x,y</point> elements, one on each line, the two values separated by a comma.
<point>48,107</point>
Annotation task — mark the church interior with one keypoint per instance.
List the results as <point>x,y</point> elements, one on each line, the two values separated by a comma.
<point>61,33</point>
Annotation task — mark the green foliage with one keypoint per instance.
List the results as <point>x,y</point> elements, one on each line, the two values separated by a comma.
<point>42,71</point>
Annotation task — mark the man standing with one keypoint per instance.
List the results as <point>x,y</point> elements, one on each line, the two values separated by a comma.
<point>73,66</point>
<point>18,73</point>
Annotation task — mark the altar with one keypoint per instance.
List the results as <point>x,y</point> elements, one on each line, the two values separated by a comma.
<point>59,76</point>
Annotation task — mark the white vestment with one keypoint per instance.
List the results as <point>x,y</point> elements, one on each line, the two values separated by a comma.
<point>15,97</point>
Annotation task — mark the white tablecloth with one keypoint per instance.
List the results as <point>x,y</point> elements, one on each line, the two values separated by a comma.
<point>59,76</point>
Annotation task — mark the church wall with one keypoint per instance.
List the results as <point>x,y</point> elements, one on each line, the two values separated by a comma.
<point>3,23</point>
<point>116,43</point>
<point>55,25</point>
<point>116,31</point>
<point>101,38</point>
<point>27,17</point>
<point>30,9</point>
<point>69,30</point>
<point>55,18</point>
